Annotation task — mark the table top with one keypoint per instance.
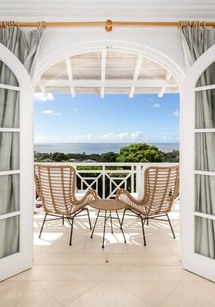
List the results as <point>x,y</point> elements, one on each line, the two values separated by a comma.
<point>107,204</point>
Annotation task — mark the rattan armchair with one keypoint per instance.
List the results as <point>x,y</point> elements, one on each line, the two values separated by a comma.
<point>56,188</point>
<point>161,188</point>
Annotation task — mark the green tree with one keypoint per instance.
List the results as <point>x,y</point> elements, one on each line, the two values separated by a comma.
<point>108,157</point>
<point>172,156</point>
<point>59,156</point>
<point>39,157</point>
<point>140,153</point>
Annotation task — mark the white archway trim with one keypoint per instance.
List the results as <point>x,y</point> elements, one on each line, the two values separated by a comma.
<point>206,58</point>
<point>16,66</point>
<point>134,48</point>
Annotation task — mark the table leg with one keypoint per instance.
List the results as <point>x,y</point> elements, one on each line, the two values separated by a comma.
<point>104,229</point>
<point>95,224</point>
<point>120,226</point>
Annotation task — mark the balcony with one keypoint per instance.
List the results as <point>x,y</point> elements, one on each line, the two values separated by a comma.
<point>120,274</point>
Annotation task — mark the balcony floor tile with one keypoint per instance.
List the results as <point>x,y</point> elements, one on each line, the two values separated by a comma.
<point>85,274</point>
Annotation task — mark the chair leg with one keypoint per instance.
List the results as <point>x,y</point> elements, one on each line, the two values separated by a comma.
<point>71,221</point>
<point>42,225</point>
<point>89,218</point>
<point>173,234</point>
<point>123,217</point>
<point>95,224</point>
<point>120,226</point>
<point>111,222</point>
<point>143,223</point>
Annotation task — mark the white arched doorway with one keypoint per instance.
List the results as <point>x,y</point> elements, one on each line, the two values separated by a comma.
<point>50,63</point>
<point>136,49</point>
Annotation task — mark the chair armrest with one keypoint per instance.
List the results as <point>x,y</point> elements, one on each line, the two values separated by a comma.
<point>85,197</point>
<point>127,197</point>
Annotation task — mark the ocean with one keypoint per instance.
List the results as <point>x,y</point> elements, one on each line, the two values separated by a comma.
<point>95,148</point>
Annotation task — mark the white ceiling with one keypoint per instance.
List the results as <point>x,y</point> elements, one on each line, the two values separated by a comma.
<point>99,10</point>
<point>107,71</point>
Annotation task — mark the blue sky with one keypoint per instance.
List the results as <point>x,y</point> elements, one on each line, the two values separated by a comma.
<point>114,118</point>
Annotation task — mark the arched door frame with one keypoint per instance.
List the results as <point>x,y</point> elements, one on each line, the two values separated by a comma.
<point>192,260</point>
<point>134,48</point>
<point>21,260</point>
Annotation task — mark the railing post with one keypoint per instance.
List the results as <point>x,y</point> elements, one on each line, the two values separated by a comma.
<point>132,178</point>
<point>139,179</point>
<point>103,180</point>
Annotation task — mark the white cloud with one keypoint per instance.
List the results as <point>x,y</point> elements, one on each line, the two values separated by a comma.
<point>136,136</point>
<point>156,105</point>
<point>51,112</point>
<point>73,109</point>
<point>111,137</point>
<point>176,113</point>
<point>47,111</point>
<point>41,97</point>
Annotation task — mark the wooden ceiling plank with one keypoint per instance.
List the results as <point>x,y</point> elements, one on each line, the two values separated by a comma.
<point>168,76</point>
<point>43,90</point>
<point>103,71</point>
<point>136,74</point>
<point>149,82</point>
<point>70,76</point>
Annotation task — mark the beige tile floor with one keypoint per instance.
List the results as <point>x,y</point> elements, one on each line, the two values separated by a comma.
<point>127,275</point>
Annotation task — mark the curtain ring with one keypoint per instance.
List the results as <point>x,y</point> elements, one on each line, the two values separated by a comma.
<point>198,23</point>
<point>41,24</point>
<point>44,24</point>
<point>182,23</point>
<point>4,24</point>
<point>12,23</point>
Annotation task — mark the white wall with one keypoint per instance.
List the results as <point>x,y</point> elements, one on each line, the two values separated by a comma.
<point>159,42</point>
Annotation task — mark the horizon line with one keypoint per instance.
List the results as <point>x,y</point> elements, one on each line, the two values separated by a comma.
<point>107,143</point>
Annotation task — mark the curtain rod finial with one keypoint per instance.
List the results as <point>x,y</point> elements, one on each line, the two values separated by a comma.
<point>108,25</point>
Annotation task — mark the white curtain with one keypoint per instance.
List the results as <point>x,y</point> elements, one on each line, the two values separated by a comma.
<point>25,48</point>
<point>195,41</point>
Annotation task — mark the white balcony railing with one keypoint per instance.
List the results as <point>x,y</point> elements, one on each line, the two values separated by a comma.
<point>107,178</point>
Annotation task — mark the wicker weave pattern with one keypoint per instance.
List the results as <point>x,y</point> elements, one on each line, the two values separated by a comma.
<point>160,190</point>
<point>56,186</point>
<point>161,187</point>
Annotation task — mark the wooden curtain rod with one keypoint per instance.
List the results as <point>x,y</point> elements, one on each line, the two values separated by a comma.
<point>108,24</point>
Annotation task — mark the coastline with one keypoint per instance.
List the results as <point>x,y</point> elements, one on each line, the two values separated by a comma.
<point>95,148</point>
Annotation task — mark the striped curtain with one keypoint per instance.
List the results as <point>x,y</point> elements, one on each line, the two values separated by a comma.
<point>25,47</point>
